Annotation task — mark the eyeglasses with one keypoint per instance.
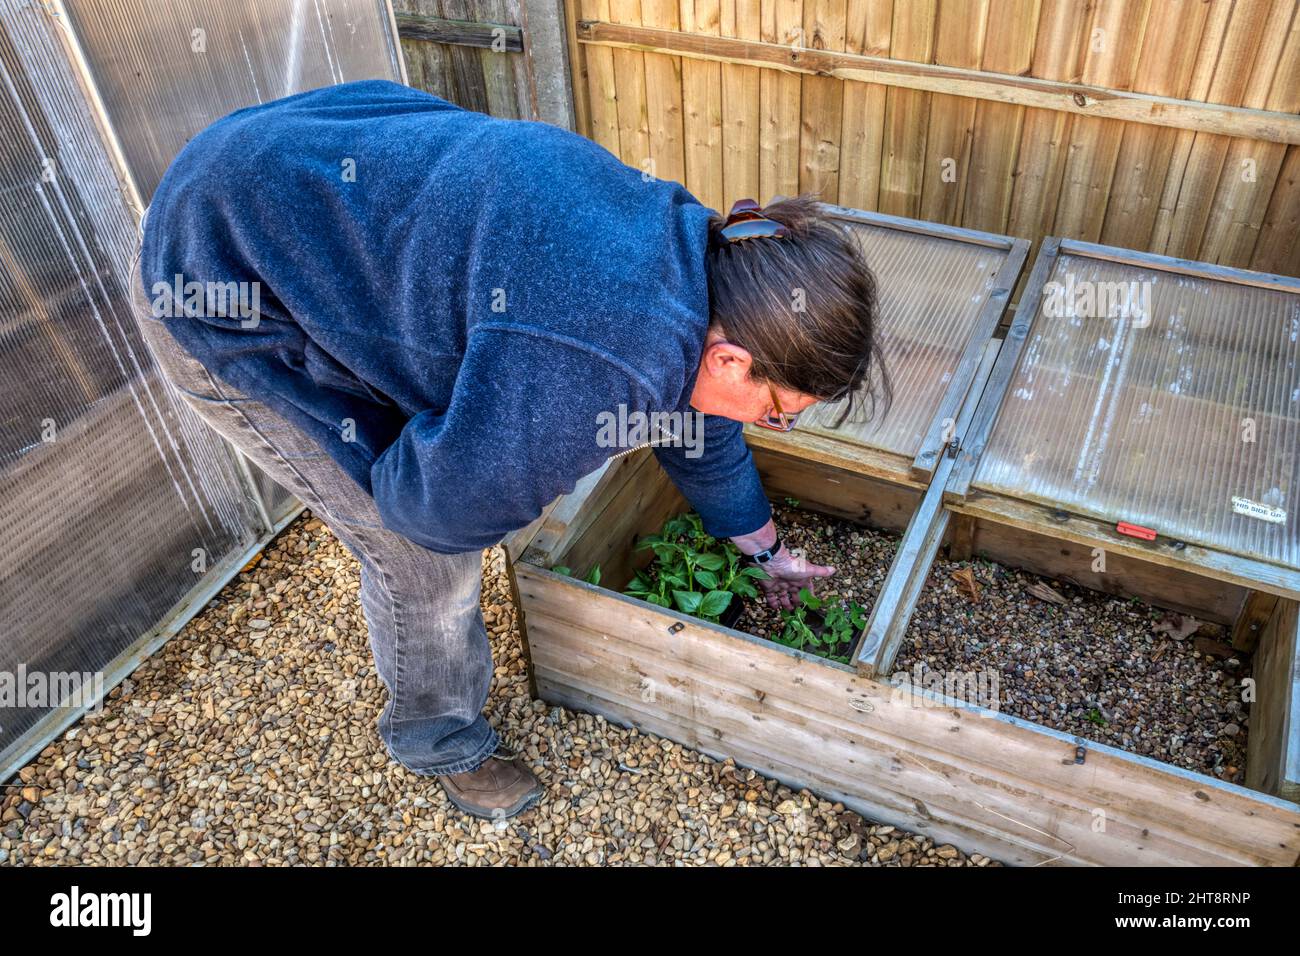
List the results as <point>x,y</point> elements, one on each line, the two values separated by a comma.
<point>780,422</point>
<point>747,222</point>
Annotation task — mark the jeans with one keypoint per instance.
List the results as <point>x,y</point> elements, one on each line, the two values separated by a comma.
<point>426,630</point>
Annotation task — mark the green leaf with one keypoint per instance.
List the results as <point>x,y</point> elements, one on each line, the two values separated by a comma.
<point>707,579</point>
<point>742,587</point>
<point>758,574</point>
<point>665,553</point>
<point>657,599</point>
<point>808,599</point>
<point>593,576</point>
<point>688,601</point>
<point>561,569</point>
<point>714,603</point>
<point>711,562</point>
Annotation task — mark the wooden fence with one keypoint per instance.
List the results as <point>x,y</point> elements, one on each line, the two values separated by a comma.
<point>1162,125</point>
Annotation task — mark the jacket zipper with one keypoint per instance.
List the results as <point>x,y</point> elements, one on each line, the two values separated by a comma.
<point>629,451</point>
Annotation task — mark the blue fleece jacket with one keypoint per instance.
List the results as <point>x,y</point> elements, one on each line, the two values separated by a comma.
<point>446,302</point>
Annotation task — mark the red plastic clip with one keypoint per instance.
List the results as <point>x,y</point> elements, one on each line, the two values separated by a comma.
<point>1136,531</point>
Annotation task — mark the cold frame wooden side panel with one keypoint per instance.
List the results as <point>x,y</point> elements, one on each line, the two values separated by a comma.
<point>990,784</point>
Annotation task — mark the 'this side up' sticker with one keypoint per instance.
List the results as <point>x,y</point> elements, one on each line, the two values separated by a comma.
<point>1253,509</point>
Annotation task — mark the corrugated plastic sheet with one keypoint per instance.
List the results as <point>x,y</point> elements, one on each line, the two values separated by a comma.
<point>1184,416</point>
<point>115,502</point>
<point>165,70</point>
<point>931,290</point>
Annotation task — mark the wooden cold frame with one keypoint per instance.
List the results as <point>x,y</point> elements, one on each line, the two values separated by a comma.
<point>1256,598</point>
<point>554,529</point>
<point>988,782</point>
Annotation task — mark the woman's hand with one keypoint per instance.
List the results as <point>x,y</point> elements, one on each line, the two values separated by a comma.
<point>787,576</point>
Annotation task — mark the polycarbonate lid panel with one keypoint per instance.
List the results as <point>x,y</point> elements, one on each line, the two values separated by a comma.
<point>1183,416</point>
<point>931,290</point>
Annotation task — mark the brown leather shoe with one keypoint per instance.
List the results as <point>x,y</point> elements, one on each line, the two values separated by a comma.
<point>501,787</point>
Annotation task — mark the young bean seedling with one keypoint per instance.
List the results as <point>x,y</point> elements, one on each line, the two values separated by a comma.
<point>838,625</point>
<point>693,571</point>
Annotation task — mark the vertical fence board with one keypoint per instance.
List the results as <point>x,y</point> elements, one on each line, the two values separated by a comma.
<point>1244,43</point>
<point>995,143</point>
<point>959,41</point>
<point>822,104</point>
<point>1062,28</point>
<point>1277,249</point>
<point>702,104</point>
<point>740,108</point>
<point>428,65</point>
<point>663,87</point>
<point>1165,68</point>
<point>1250,168</point>
<point>602,86</point>
<point>1109,61</point>
<point>869,25</point>
<point>779,110</point>
<point>629,81</point>
<point>504,74</point>
<point>1207,58</point>
<point>466,65</point>
<point>579,82</point>
<point>907,112</point>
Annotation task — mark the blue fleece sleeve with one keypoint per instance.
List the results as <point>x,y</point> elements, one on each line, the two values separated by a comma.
<point>520,429</point>
<point>721,483</point>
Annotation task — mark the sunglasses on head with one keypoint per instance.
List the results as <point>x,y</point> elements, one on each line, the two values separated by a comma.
<point>747,222</point>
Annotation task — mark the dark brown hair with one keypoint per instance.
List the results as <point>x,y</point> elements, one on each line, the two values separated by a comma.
<point>803,305</point>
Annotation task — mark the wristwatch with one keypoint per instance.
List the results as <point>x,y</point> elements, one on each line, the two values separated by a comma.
<point>765,555</point>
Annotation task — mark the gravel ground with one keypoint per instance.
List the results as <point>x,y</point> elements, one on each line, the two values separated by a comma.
<point>250,739</point>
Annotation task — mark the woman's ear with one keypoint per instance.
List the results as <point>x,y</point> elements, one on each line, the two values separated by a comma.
<point>728,362</point>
